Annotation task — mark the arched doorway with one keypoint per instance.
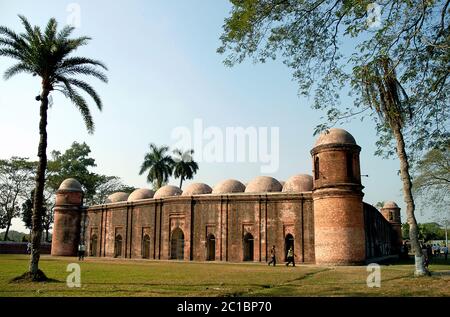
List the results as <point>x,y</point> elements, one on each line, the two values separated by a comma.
<point>118,246</point>
<point>248,247</point>
<point>288,243</point>
<point>93,246</point>
<point>146,247</point>
<point>177,244</point>
<point>211,248</point>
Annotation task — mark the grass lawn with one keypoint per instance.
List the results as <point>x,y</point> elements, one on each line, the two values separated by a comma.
<point>113,277</point>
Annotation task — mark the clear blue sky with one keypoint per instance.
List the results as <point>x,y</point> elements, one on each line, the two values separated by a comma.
<point>164,72</point>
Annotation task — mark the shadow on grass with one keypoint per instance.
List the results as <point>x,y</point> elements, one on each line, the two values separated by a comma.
<point>28,277</point>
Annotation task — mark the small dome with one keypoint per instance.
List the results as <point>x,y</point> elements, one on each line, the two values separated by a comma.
<point>229,186</point>
<point>263,184</point>
<point>71,184</point>
<point>141,193</point>
<point>335,135</point>
<point>167,191</point>
<point>117,197</point>
<point>299,183</point>
<point>197,189</point>
<point>390,204</point>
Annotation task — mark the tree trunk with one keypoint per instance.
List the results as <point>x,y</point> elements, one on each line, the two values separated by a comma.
<point>409,200</point>
<point>36,231</point>
<point>181,181</point>
<point>5,238</point>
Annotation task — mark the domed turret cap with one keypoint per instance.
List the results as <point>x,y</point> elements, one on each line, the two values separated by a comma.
<point>229,186</point>
<point>263,184</point>
<point>390,204</point>
<point>141,193</point>
<point>299,183</point>
<point>117,197</point>
<point>335,135</point>
<point>197,189</point>
<point>167,191</point>
<point>71,184</point>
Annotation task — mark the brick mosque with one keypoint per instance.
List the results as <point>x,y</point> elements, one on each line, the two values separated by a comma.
<point>322,216</point>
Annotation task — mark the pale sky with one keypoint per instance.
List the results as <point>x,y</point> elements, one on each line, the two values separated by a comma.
<point>164,73</point>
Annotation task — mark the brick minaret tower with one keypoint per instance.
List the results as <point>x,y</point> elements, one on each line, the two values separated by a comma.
<point>339,231</point>
<point>66,227</point>
<point>391,212</point>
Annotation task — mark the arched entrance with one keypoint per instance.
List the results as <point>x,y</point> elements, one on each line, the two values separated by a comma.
<point>177,244</point>
<point>93,246</point>
<point>211,248</point>
<point>118,246</point>
<point>146,247</point>
<point>288,243</point>
<point>248,247</point>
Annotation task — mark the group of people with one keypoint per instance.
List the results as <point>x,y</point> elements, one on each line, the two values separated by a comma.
<point>289,257</point>
<point>429,252</point>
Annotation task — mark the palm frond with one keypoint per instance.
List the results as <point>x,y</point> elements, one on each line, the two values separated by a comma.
<point>16,69</point>
<point>83,70</point>
<point>76,61</point>
<point>88,89</point>
<point>82,106</point>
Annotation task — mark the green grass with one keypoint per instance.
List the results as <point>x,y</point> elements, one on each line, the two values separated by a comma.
<point>112,277</point>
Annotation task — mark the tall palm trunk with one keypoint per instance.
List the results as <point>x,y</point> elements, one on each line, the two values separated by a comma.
<point>181,181</point>
<point>409,200</point>
<point>36,231</point>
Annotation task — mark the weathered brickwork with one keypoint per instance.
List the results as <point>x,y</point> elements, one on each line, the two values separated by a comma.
<point>323,217</point>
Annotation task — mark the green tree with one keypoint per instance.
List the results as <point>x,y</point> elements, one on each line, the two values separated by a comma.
<point>107,185</point>
<point>159,165</point>
<point>405,56</point>
<point>16,179</point>
<point>184,165</point>
<point>48,55</point>
<point>77,163</point>
<point>27,210</point>
<point>431,183</point>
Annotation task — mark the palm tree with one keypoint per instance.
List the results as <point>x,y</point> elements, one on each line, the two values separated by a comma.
<point>383,91</point>
<point>159,165</point>
<point>184,167</point>
<point>48,55</point>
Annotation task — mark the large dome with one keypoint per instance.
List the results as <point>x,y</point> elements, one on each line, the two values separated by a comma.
<point>141,193</point>
<point>167,191</point>
<point>71,184</point>
<point>299,183</point>
<point>116,197</point>
<point>263,184</point>
<point>390,204</point>
<point>229,186</point>
<point>197,189</point>
<point>335,135</point>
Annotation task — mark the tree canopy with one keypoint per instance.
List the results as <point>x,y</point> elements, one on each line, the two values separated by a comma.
<point>328,45</point>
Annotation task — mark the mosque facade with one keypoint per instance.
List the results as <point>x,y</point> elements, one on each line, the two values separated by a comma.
<point>322,216</point>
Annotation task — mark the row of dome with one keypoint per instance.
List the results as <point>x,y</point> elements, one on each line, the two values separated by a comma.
<point>261,184</point>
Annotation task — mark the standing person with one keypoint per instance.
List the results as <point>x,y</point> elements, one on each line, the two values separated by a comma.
<point>429,252</point>
<point>273,256</point>
<point>29,247</point>
<point>290,257</point>
<point>81,250</point>
<point>445,250</point>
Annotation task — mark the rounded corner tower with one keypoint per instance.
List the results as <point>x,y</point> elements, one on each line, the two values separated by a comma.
<point>66,227</point>
<point>391,212</point>
<point>339,232</point>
